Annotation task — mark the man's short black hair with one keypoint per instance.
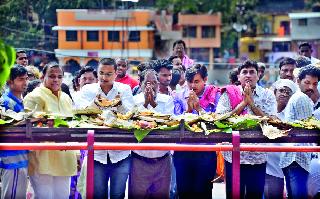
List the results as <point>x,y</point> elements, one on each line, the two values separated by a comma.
<point>162,63</point>
<point>75,80</point>
<point>50,65</point>
<point>87,69</point>
<point>179,42</point>
<point>287,60</point>
<point>20,51</point>
<point>108,61</point>
<point>195,69</point>
<point>302,61</point>
<point>309,70</point>
<point>307,44</point>
<point>32,85</point>
<point>233,77</point>
<point>176,75</point>
<point>122,59</point>
<point>17,71</point>
<point>172,57</point>
<point>248,64</point>
<point>143,66</point>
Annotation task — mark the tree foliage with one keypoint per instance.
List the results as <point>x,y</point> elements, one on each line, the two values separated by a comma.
<point>28,24</point>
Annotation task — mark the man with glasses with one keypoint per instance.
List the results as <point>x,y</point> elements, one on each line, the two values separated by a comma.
<point>283,89</point>
<point>122,76</point>
<point>21,58</point>
<point>109,164</point>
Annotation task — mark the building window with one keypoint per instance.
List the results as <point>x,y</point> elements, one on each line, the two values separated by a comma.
<point>208,31</point>
<point>113,36</point>
<point>92,35</point>
<point>303,22</point>
<point>281,46</point>
<point>200,54</point>
<point>286,27</point>
<point>134,36</point>
<point>189,31</point>
<point>71,35</point>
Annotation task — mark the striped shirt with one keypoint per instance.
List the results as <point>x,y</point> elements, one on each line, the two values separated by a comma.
<point>299,107</point>
<point>12,159</point>
<point>266,101</point>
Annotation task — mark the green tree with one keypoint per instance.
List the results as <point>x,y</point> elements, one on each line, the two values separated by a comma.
<point>28,24</point>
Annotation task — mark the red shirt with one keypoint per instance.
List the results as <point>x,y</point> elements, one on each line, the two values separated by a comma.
<point>127,79</point>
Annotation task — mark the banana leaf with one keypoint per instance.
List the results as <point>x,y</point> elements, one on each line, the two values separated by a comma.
<point>139,134</point>
<point>58,122</point>
<point>3,122</point>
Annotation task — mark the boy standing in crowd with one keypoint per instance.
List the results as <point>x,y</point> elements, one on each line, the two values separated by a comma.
<point>14,164</point>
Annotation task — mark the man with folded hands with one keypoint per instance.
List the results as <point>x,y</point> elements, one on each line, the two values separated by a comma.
<point>247,98</point>
<point>151,170</point>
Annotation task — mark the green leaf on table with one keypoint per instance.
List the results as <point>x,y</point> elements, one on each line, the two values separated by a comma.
<point>2,122</point>
<point>221,125</point>
<point>227,130</point>
<point>246,124</point>
<point>139,134</point>
<point>58,122</point>
<point>296,125</point>
<point>168,128</point>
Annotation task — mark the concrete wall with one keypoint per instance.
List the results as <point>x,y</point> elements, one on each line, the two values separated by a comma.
<point>309,32</point>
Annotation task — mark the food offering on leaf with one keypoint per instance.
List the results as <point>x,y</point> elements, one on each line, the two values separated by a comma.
<point>151,116</point>
<point>125,116</point>
<point>309,123</point>
<point>122,124</point>
<point>141,124</point>
<point>105,103</point>
<point>279,124</point>
<point>146,113</point>
<point>188,118</point>
<point>87,111</point>
<point>196,128</point>
<point>272,132</point>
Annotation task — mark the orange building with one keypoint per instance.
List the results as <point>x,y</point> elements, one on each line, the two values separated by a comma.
<point>202,35</point>
<point>85,36</point>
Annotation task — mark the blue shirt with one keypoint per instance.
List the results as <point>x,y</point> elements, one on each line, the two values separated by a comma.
<point>9,101</point>
<point>12,159</point>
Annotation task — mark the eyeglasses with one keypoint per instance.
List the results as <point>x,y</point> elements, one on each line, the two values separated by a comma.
<point>285,91</point>
<point>21,58</point>
<point>31,75</point>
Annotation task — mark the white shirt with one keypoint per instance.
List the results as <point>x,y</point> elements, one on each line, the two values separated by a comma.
<point>273,158</point>
<point>314,60</point>
<point>266,101</point>
<point>165,106</point>
<point>86,97</point>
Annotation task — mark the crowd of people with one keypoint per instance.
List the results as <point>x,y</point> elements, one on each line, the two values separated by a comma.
<point>176,85</point>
